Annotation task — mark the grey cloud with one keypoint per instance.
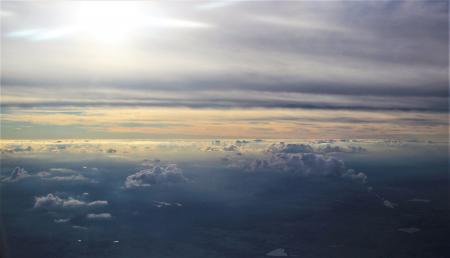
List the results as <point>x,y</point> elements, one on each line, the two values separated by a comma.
<point>155,175</point>
<point>289,148</point>
<point>63,175</point>
<point>111,150</point>
<point>98,203</point>
<point>16,175</point>
<point>16,148</point>
<point>99,216</point>
<point>68,178</point>
<point>394,48</point>
<point>335,149</point>
<point>241,142</point>
<point>357,176</point>
<point>159,204</point>
<point>79,227</point>
<point>240,97</point>
<point>410,230</point>
<point>389,204</point>
<point>61,220</point>
<point>54,201</point>
<point>231,147</point>
<point>297,159</point>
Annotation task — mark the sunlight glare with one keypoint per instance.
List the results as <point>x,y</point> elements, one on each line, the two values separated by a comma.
<point>108,22</point>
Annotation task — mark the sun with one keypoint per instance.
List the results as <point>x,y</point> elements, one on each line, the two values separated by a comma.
<point>108,21</point>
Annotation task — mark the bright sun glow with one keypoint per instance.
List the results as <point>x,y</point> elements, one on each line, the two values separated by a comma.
<point>108,22</point>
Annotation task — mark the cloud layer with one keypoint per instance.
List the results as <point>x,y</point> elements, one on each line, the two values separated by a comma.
<point>385,59</point>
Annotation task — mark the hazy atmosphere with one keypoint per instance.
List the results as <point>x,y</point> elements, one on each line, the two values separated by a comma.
<point>224,129</point>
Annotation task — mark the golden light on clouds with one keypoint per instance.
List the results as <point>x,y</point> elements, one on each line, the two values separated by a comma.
<point>156,122</point>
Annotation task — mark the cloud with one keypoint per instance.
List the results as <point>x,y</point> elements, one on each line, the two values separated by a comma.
<point>63,175</point>
<point>61,220</point>
<point>72,178</point>
<point>231,147</point>
<point>62,170</point>
<point>157,174</point>
<point>410,230</point>
<point>53,201</point>
<point>16,149</point>
<point>297,159</point>
<point>99,216</point>
<point>389,204</point>
<point>397,52</point>
<point>277,252</point>
<point>241,142</point>
<point>98,203</point>
<point>16,175</point>
<point>79,228</point>
<point>166,204</point>
<point>111,150</point>
<point>357,176</point>
<point>289,148</point>
<point>335,149</point>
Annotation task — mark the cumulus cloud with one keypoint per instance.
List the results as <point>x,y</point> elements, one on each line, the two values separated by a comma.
<point>16,175</point>
<point>358,176</point>
<point>335,149</point>
<point>297,159</point>
<point>289,148</point>
<point>210,148</point>
<point>241,142</point>
<point>231,147</point>
<point>54,201</point>
<point>306,164</point>
<point>99,216</point>
<point>157,174</point>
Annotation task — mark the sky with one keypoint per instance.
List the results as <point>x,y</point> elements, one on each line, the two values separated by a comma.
<point>224,129</point>
<point>224,69</point>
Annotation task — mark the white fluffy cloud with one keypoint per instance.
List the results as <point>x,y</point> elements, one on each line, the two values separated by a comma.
<point>54,201</point>
<point>157,174</point>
